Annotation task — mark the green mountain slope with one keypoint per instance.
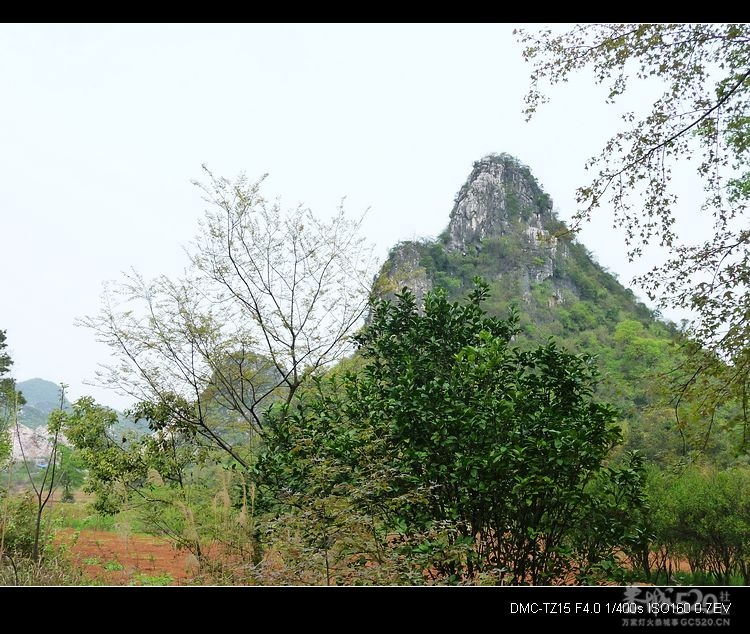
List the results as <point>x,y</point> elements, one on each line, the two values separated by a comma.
<point>502,228</point>
<point>42,397</point>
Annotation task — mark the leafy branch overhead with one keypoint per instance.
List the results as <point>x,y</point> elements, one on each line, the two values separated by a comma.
<point>701,118</point>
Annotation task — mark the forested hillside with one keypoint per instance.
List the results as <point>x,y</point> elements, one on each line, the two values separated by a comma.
<point>42,398</point>
<point>503,228</point>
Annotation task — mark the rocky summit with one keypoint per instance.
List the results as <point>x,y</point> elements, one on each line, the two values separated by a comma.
<point>502,211</point>
<point>499,192</point>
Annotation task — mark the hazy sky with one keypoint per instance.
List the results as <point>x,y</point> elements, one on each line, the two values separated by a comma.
<point>104,126</point>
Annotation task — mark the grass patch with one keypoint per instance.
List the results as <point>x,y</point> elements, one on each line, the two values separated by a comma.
<point>113,565</point>
<point>151,580</point>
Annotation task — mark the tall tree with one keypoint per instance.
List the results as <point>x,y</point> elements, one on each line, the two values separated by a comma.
<point>10,400</point>
<point>702,118</point>
<point>10,516</point>
<point>5,360</point>
<point>270,297</point>
<point>484,456</point>
<point>43,490</point>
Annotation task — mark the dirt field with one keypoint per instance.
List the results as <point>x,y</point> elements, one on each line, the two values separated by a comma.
<point>109,558</point>
<point>114,559</point>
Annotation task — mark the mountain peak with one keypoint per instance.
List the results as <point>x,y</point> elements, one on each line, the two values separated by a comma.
<point>500,215</point>
<point>499,192</point>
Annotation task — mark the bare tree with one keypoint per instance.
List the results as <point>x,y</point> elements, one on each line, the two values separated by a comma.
<point>269,298</point>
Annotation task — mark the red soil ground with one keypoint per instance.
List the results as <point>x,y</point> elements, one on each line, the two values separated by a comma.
<point>113,559</point>
<point>109,558</point>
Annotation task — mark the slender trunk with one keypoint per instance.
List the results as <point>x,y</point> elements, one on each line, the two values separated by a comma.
<point>42,499</point>
<point>4,515</point>
<point>328,566</point>
<point>37,533</point>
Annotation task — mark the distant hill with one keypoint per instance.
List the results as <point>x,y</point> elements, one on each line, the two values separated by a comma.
<point>42,398</point>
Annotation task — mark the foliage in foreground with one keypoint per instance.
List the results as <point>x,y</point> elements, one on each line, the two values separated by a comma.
<point>466,456</point>
<point>29,557</point>
<point>700,515</point>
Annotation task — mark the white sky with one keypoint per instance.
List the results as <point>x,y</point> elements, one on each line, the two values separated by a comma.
<point>103,127</point>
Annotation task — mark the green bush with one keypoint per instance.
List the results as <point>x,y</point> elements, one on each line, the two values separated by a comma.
<point>484,459</point>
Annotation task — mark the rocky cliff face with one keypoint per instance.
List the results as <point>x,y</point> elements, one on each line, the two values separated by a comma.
<point>30,444</point>
<point>502,199</point>
<point>502,210</point>
<point>403,268</point>
<point>499,193</point>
